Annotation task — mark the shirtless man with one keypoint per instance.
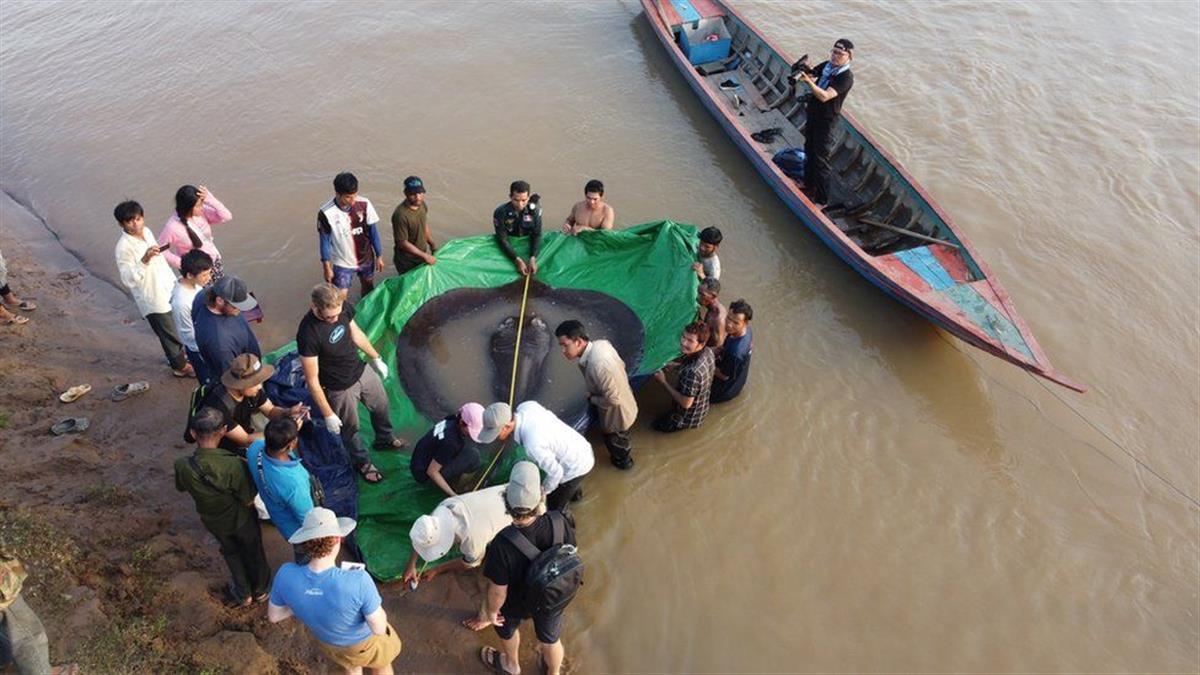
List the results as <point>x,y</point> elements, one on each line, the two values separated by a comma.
<point>591,213</point>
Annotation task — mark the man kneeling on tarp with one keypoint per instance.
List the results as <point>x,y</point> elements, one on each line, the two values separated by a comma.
<point>470,520</point>
<point>443,456</point>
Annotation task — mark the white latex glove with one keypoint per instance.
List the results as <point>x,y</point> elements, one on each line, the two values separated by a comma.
<point>380,367</point>
<point>334,424</point>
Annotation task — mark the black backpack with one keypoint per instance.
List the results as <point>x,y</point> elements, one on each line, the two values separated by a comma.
<point>555,574</point>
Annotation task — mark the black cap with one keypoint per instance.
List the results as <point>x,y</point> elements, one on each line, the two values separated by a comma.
<point>843,43</point>
<point>413,185</point>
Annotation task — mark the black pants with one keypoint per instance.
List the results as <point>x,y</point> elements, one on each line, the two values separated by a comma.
<point>817,137</point>
<point>164,328</point>
<point>243,553</point>
<point>564,494</point>
<point>620,447</point>
<point>466,461</point>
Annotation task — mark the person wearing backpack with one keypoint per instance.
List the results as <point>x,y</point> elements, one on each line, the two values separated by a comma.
<point>220,484</point>
<point>533,572</point>
<point>287,489</point>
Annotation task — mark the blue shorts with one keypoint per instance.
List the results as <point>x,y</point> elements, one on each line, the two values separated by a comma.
<point>343,277</point>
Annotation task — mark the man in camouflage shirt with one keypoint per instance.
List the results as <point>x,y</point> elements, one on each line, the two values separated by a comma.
<point>520,216</point>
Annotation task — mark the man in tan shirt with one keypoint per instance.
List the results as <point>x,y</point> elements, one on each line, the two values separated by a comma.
<point>607,385</point>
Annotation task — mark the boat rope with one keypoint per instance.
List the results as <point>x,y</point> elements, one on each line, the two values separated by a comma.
<point>1137,460</point>
<point>512,394</point>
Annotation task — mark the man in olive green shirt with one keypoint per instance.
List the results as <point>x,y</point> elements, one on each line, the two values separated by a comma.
<point>413,245</point>
<point>220,484</point>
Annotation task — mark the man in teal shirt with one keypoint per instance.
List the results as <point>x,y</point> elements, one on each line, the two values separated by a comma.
<point>284,484</point>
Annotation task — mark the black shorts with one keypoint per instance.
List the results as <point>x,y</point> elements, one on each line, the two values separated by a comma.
<point>548,627</point>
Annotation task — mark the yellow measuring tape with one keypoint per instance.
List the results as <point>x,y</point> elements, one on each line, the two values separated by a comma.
<point>512,394</point>
<point>512,385</point>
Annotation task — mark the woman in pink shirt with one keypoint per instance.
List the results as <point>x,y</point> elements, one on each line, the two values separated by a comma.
<point>196,211</point>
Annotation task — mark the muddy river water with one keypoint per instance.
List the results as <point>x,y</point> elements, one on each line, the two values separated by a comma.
<point>882,498</point>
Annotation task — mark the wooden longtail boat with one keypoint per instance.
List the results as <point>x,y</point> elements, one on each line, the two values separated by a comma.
<point>878,220</point>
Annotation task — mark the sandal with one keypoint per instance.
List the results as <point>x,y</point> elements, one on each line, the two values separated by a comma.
<point>394,444</point>
<point>368,470</point>
<point>15,320</point>
<point>186,371</point>
<point>491,658</point>
<point>26,306</point>
<point>124,391</point>
<point>71,425</point>
<point>74,393</point>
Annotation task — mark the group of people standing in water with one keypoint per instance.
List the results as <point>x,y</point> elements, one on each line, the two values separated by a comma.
<point>202,321</point>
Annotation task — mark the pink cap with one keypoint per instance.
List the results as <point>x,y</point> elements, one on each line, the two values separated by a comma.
<point>472,415</point>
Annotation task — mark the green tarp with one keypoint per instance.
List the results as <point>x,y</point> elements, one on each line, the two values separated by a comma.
<point>647,267</point>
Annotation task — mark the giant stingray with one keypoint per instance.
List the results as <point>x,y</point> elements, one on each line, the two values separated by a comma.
<point>458,347</point>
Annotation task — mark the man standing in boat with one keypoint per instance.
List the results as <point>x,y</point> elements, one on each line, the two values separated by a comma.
<point>828,91</point>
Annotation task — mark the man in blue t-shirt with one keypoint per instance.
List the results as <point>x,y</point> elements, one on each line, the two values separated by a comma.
<point>284,484</point>
<point>340,605</point>
<point>733,361</point>
<point>222,333</point>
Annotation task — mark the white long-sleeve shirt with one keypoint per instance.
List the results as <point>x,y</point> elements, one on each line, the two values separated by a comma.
<point>558,450</point>
<point>151,284</point>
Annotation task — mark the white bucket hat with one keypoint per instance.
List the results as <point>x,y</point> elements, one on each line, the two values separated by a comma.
<point>321,523</point>
<point>433,535</point>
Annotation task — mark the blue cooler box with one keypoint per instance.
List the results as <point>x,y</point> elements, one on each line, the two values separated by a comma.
<point>699,44</point>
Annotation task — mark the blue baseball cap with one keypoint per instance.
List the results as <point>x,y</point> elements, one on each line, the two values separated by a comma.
<point>413,185</point>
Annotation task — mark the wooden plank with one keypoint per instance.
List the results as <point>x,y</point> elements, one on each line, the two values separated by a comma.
<point>921,261</point>
<point>909,233</point>
<point>953,262</point>
<point>902,273</point>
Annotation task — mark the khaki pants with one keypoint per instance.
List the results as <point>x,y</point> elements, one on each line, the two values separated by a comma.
<point>376,651</point>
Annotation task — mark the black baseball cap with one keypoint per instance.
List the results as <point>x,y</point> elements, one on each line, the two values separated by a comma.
<point>844,44</point>
<point>413,185</point>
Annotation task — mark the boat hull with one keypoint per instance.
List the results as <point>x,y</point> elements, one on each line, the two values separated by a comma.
<point>880,271</point>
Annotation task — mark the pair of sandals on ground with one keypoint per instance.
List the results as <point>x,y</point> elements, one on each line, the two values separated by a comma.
<point>9,318</point>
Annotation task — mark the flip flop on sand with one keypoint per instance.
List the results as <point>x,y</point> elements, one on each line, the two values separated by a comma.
<point>14,320</point>
<point>124,391</point>
<point>186,371</point>
<point>491,658</point>
<point>25,306</point>
<point>74,393</point>
<point>71,425</point>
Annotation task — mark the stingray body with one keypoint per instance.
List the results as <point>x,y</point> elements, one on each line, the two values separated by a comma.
<point>458,347</point>
<point>535,347</point>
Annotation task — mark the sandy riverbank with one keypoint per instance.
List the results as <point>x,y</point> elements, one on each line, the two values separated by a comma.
<point>121,571</point>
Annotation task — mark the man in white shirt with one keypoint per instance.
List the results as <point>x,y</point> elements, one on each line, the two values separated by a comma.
<point>560,452</point>
<point>150,280</point>
<point>470,520</point>
<point>196,270</point>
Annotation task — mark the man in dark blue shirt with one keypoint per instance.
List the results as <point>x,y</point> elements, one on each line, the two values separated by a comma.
<point>222,333</point>
<point>733,361</point>
<point>443,455</point>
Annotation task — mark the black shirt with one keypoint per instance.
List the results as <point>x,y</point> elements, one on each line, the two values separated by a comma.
<point>505,565</point>
<point>524,223</point>
<point>825,113</point>
<point>236,413</point>
<point>443,442</point>
<point>337,357</point>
